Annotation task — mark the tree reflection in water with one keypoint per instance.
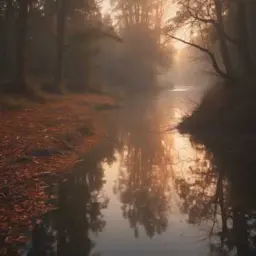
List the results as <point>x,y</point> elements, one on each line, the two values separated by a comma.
<point>66,231</point>
<point>221,189</point>
<point>143,182</point>
<point>197,193</point>
<point>221,192</point>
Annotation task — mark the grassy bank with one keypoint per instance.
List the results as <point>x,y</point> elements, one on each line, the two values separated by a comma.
<point>39,140</point>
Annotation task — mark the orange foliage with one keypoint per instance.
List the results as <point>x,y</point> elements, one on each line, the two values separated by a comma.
<point>22,190</point>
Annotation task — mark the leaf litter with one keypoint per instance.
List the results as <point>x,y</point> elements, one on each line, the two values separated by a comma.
<point>56,125</point>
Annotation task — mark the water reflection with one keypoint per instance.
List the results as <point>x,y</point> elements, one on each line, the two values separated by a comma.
<point>197,192</point>
<point>221,190</point>
<point>214,183</point>
<point>234,198</point>
<point>80,201</point>
<point>143,181</point>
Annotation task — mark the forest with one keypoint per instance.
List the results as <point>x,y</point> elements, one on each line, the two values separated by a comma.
<point>84,83</point>
<point>72,45</point>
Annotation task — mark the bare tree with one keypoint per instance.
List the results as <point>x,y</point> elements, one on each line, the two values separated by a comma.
<point>207,20</point>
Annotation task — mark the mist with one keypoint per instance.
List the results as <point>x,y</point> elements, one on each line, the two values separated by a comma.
<point>127,127</point>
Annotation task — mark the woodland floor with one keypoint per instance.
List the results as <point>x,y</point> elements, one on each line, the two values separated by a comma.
<point>35,141</point>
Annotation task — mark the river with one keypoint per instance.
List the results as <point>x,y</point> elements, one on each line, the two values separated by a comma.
<point>142,191</point>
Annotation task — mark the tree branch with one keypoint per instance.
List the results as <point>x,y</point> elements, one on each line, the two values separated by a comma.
<point>208,52</point>
<point>196,16</point>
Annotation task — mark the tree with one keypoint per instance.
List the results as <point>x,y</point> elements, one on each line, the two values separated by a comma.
<point>200,17</point>
<point>38,34</point>
<point>17,32</point>
<point>8,39</point>
<point>143,53</point>
<point>62,11</point>
<point>79,26</point>
<point>20,81</point>
<point>222,22</point>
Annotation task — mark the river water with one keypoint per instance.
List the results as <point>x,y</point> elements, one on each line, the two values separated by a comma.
<point>142,191</point>
<point>144,215</point>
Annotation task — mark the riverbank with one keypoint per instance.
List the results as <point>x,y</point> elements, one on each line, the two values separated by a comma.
<point>225,124</point>
<point>40,140</point>
<point>223,111</point>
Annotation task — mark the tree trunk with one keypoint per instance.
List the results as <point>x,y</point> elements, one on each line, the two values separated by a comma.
<point>243,45</point>
<point>20,81</point>
<point>241,232</point>
<point>251,19</point>
<point>223,43</point>
<point>9,40</point>
<point>61,28</point>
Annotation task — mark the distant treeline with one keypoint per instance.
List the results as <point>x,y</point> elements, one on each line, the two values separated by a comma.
<point>71,44</point>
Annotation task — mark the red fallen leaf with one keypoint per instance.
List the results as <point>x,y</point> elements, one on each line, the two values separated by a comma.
<point>21,239</point>
<point>19,210</point>
<point>29,196</point>
<point>32,193</point>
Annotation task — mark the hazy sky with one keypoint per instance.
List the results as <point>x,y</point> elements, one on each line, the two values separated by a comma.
<point>105,6</point>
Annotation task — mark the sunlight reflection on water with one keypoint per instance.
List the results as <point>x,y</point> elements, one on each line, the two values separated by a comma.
<point>131,195</point>
<point>141,184</point>
<point>180,89</point>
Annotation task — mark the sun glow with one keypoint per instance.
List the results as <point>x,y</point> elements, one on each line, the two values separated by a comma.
<point>182,33</point>
<point>106,7</point>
